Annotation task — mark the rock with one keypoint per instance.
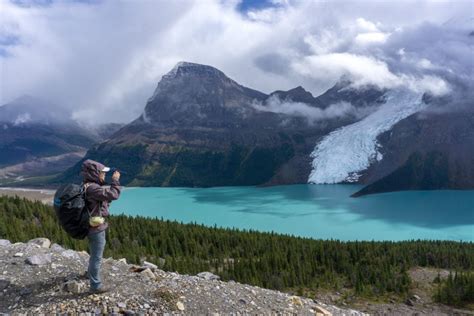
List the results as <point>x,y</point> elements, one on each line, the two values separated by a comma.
<point>295,300</point>
<point>242,301</point>
<point>321,311</point>
<point>122,305</point>
<point>42,242</point>
<point>180,306</point>
<point>4,284</point>
<point>83,254</point>
<point>73,287</point>
<point>148,273</point>
<point>25,291</point>
<point>57,248</point>
<point>71,254</point>
<point>40,259</point>
<point>18,254</point>
<point>150,265</point>
<point>208,276</point>
<point>409,302</point>
<point>5,242</point>
<point>123,260</point>
<point>416,298</point>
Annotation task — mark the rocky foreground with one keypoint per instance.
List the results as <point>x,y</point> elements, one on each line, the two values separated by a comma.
<point>39,278</point>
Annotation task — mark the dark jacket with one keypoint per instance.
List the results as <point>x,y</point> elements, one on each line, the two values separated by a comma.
<point>98,197</point>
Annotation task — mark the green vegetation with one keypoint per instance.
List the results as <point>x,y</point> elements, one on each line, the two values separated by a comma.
<point>370,269</point>
<point>180,166</point>
<point>456,290</point>
<point>189,167</point>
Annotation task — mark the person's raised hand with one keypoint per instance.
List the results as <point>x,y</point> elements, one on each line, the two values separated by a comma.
<point>116,175</point>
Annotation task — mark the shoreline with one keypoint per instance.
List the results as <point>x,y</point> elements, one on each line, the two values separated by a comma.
<point>43,195</point>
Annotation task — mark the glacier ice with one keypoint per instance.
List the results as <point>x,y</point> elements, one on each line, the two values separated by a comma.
<point>344,153</point>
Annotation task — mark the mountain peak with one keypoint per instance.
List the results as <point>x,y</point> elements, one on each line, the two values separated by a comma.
<point>199,94</point>
<point>184,68</point>
<point>26,99</point>
<point>298,94</point>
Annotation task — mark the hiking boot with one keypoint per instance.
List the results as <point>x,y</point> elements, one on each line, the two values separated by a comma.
<point>100,290</point>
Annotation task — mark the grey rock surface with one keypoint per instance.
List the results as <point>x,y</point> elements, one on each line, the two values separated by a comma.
<point>208,276</point>
<point>42,242</point>
<point>4,243</point>
<point>61,287</point>
<point>39,259</point>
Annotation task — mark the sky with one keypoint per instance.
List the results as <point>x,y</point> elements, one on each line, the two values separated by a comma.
<point>103,58</point>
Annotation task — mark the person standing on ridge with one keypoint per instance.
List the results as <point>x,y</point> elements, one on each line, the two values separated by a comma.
<point>98,198</point>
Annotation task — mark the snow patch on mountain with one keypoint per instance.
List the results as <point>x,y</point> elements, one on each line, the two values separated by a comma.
<point>344,153</point>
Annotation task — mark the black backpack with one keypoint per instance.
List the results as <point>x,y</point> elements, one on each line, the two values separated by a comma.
<point>71,210</point>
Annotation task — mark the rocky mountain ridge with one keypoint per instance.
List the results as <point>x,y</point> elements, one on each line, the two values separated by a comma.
<point>39,278</point>
<point>201,128</point>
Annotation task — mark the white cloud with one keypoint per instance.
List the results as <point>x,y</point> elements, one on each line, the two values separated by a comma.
<point>362,70</point>
<point>371,38</point>
<point>22,118</point>
<point>310,113</point>
<point>105,59</point>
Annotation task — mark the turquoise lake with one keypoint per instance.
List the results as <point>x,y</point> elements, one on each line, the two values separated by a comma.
<point>316,211</point>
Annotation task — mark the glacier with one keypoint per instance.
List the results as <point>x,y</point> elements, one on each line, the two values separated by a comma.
<point>344,153</point>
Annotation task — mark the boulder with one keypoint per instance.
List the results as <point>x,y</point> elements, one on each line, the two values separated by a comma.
<point>73,287</point>
<point>40,259</point>
<point>57,248</point>
<point>42,242</point>
<point>5,242</point>
<point>208,276</point>
<point>150,265</point>
<point>148,273</point>
<point>71,254</point>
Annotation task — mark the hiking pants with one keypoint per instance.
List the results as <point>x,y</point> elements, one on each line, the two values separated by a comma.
<point>96,249</point>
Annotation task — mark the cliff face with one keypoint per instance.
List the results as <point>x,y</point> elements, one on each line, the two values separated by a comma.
<point>40,278</point>
<point>429,150</point>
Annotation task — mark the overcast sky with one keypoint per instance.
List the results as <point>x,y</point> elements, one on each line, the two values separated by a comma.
<point>104,58</point>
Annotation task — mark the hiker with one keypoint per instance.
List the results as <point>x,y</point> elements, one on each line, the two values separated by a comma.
<point>98,198</point>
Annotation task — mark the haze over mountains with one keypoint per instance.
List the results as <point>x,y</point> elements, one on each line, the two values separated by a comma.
<point>201,128</point>
<point>38,138</point>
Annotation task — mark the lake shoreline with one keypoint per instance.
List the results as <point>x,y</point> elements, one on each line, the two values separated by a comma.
<point>306,211</point>
<point>43,195</point>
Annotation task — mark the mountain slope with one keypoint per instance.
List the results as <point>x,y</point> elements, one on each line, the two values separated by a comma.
<point>429,150</point>
<point>344,153</point>
<point>201,128</point>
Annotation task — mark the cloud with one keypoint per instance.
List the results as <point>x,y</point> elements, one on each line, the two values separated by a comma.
<point>311,113</point>
<point>103,59</point>
<point>22,118</point>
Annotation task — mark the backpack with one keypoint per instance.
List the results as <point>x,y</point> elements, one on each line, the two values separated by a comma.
<point>71,210</point>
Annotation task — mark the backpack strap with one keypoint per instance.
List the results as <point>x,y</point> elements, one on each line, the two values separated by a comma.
<point>84,190</point>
